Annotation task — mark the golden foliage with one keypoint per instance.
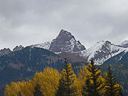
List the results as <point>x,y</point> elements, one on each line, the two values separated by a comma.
<point>15,88</point>
<point>48,80</point>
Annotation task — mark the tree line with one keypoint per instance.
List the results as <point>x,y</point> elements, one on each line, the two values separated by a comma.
<point>51,83</point>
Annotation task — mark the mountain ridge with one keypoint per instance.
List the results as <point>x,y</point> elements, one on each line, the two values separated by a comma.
<point>102,51</point>
<point>65,42</point>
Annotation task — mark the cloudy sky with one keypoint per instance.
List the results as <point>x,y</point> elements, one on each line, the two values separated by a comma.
<point>26,22</point>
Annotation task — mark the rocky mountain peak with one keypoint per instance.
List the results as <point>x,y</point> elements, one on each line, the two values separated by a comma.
<point>65,36</point>
<point>66,42</point>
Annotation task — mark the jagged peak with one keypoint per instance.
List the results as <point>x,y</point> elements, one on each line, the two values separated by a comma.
<point>65,33</point>
<point>65,42</point>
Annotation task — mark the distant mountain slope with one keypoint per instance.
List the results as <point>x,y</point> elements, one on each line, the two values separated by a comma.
<point>101,52</point>
<point>26,62</point>
<point>119,58</point>
<point>45,45</point>
<point>124,44</point>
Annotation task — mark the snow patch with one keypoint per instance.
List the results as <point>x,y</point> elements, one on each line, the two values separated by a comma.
<point>45,45</point>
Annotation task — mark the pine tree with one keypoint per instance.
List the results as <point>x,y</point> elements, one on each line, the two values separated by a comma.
<point>37,91</point>
<point>87,88</point>
<point>20,94</point>
<point>96,84</point>
<point>112,88</point>
<point>66,83</point>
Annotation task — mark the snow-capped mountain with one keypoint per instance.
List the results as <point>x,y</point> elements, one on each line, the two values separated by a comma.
<point>124,44</point>
<point>45,45</point>
<point>65,42</point>
<point>101,52</point>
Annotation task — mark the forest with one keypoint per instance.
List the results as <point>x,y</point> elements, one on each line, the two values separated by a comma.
<point>51,82</point>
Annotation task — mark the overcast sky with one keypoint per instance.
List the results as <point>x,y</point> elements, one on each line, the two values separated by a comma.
<point>27,22</point>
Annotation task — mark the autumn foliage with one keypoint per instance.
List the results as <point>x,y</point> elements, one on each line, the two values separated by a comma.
<point>51,83</point>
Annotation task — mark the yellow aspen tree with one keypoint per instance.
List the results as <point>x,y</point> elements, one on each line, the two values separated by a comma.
<point>82,77</point>
<point>48,80</point>
<point>12,90</point>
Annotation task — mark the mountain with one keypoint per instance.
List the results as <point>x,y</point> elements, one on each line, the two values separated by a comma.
<point>101,52</point>
<point>124,44</point>
<point>66,45</point>
<point>26,62</point>
<point>65,42</point>
<point>5,51</point>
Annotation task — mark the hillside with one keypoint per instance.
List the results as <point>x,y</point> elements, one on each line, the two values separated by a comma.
<point>26,62</point>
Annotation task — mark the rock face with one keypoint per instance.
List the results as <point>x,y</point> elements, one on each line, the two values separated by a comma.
<point>65,42</point>
<point>5,51</point>
<point>17,48</point>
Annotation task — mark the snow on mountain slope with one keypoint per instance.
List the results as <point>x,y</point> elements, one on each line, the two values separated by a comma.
<point>101,51</point>
<point>45,45</point>
<point>124,44</point>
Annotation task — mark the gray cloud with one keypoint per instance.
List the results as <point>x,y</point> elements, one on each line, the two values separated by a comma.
<point>29,22</point>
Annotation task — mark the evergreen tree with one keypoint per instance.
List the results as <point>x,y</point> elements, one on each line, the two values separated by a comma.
<point>112,88</point>
<point>87,88</point>
<point>20,94</point>
<point>96,84</point>
<point>66,83</point>
<point>37,91</point>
